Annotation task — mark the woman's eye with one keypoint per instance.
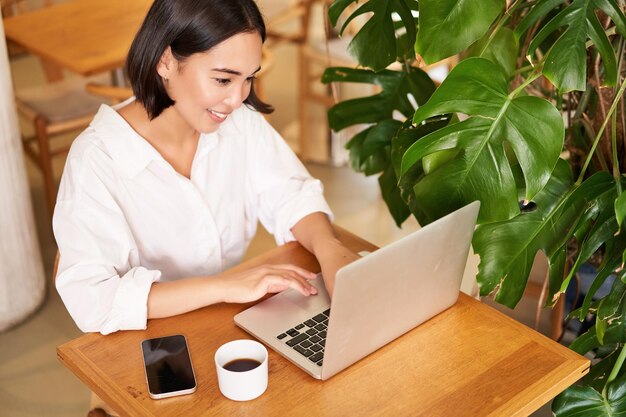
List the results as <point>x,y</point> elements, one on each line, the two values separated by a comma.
<point>250,79</point>
<point>222,81</point>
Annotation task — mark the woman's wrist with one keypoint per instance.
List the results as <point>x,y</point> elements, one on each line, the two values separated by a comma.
<point>217,288</point>
<point>326,244</point>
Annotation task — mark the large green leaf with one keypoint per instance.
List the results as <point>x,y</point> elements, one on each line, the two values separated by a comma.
<point>392,196</point>
<point>507,249</point>
<point>565,63</point>
<point>365,159</point>
<point>531,126</point>
<point>397,88</point>
<point>578,401</point>
<point>378,148</point>
<point>610,262</point>
<point>613,306</point>
<point>370,150</point>
<point>406,137</point>
<point>599,226</point>
<point>375,45</point>
<point>541,9</point>
<point>614,333</point>
<point>500,48</point>
<point>538,12</point>
<point>404,42</point>
<point>596,228</point>
<point>446,27</point>
<point>611,310</point>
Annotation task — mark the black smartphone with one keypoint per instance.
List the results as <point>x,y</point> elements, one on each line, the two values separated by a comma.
<point>168,366</point>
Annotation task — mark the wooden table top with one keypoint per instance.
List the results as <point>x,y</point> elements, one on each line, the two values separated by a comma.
<point>467,361</point>
<point>84,36</point>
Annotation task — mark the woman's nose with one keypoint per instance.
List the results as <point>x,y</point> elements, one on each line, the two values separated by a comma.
<point>237,96</point>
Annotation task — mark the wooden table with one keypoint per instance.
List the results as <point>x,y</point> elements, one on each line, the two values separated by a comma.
<point>83,36</point>
<point>470,360</point>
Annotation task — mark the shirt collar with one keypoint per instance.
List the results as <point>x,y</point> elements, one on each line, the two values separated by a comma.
<point>131,152</point>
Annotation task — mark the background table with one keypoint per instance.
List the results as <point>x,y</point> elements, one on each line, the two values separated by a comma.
<point>84,36</point>
<point>469,360</point>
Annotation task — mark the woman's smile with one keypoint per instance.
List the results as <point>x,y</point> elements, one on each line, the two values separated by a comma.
<point>217,116</point>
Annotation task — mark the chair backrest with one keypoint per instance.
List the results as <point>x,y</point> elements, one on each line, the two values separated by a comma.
<point>113,93</point>
<point>286,24</point>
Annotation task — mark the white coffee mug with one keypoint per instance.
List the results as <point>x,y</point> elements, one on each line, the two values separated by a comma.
<point>242,385</point>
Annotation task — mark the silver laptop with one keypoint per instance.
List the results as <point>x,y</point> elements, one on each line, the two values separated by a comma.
<point>376,299</point>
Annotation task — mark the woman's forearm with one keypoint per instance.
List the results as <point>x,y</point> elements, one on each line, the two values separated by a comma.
<point>315,232</point>
<point>177,297</point>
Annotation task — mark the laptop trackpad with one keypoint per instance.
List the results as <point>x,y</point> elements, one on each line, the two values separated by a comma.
<point>293,297</point>
<point>289,303</point>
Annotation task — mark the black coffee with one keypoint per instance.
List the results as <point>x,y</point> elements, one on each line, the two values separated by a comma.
<point>242,365</point>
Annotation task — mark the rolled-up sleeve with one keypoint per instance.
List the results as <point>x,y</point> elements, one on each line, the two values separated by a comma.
<point>284,189</point>
<point>99,278</point>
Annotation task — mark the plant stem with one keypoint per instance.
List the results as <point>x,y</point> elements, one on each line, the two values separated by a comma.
<point>501,21</point>
<point>615,370</point>
<point>584,101</point>
<point>591,134</point>
<point>616,173</point>
<point>523,69</point>
<point>618,96</point>
<point>526,83</point>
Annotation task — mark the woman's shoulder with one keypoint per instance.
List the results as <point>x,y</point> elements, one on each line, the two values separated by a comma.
<point>107,134</point>
<point>85,149</point>
<point>95,149</point>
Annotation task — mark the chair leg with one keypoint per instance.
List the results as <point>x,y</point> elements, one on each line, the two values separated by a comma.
<point>45,162</point>
<point>53,72</point>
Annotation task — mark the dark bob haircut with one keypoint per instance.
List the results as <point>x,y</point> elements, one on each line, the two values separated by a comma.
<point>188,27</point>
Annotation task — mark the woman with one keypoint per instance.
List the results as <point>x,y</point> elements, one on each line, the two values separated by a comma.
<point>163,193</point>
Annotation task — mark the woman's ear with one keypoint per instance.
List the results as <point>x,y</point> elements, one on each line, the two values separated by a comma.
<point>166,64</point>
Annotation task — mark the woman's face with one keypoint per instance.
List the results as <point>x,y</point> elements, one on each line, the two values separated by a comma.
<point>207,87</point>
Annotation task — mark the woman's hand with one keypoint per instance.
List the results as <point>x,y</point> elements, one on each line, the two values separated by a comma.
<point>316,234</point>
<point>252,284</point>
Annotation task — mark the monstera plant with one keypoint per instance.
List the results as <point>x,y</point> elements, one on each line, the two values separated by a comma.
<point>531,122</point>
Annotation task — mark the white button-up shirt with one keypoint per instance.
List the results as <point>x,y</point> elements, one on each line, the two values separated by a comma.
<point>125,218</point>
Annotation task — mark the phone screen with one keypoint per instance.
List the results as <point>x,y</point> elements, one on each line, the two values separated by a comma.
<point>168,366</point>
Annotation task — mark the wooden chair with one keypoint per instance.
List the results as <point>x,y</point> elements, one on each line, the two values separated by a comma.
<point>53,109</point>
<point>113,93</point>
<point>539,290</point>
<point>285,23</point>
<point>290,24</point>
<point>60,106</point>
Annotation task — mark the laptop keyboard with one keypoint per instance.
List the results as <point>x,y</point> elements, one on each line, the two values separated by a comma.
<point>309,337</point>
